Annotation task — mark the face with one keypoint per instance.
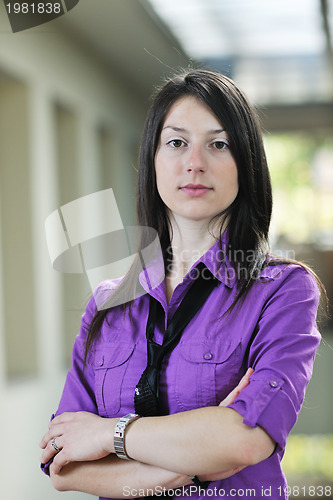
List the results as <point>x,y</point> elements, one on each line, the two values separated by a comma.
<point>196,174</point>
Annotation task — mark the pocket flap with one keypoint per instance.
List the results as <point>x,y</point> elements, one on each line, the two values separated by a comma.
<point>214,352</point>
<point>112,355</point>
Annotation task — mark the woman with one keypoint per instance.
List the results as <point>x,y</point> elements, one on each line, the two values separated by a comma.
<point>204,185</point>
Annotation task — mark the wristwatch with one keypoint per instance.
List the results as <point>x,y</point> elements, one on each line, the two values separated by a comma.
<point>119,434</point>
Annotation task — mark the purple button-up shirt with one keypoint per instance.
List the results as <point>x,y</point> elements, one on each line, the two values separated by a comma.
<point>273,331</point>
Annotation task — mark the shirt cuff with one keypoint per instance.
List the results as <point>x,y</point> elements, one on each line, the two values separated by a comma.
<point>46,467</point>
<point>265,403</point>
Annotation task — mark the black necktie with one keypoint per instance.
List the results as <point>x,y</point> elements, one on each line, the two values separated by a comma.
<point>146,398</point>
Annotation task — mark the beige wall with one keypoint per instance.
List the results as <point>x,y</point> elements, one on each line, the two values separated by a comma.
<point>67,129</point>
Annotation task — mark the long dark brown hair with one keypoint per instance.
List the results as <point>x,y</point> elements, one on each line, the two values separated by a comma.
<point>248,216</point>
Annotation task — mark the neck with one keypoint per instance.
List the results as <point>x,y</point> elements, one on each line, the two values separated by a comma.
<point>190,240</point>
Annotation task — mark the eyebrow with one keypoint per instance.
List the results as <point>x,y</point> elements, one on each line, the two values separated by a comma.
<point>179,129</point>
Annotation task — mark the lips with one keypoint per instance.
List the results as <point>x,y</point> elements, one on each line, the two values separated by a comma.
<point>195,190</point>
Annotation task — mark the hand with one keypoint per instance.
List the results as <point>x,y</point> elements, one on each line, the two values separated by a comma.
<point>244,382</point>
<point>218,476</point>
<point>80,436</point>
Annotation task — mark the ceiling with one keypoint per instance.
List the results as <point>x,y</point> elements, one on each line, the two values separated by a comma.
<point>277,50</point>
<point>222,28</point>
<point>128,37</point>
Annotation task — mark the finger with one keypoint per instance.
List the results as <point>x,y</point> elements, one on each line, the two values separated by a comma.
<point>244,382</point>
<point>59,462</point>
<point>63,417</point>
<point>44,441</point>
<point>248,373</point>
<point>237,469</point>
<point>230,398</point>
<point>49,451</point>
<point>54,431</point>
<point>221,475</point>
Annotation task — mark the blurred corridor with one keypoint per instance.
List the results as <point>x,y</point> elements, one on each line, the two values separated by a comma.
<point>73,98</point>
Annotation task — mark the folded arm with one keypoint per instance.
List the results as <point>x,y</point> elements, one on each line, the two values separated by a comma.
<point>77,467</point>
<point>200,441</point>
<point>114,477</point>
<point>208,440</point>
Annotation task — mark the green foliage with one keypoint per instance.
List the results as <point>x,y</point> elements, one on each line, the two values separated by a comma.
<point>289,159</point>
<point>309,456</point>
<point>301,192</point>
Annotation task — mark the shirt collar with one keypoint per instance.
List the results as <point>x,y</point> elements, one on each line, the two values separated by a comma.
<point>215,259</point>
<point>152,277</point>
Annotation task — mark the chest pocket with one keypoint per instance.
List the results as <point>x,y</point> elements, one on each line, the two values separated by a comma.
<point>110,365</point>
<point>206,373</point>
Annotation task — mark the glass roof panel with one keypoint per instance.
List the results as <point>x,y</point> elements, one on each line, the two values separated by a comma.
<point>256,27</point>
<point>269,45</point>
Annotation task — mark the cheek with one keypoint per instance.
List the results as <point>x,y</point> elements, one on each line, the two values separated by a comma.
<point>161,175</point>
<point>158,173</point>
<point>229,184</point>
<point>233,177</point>
<point>163,188</point>
<point>236,182</point>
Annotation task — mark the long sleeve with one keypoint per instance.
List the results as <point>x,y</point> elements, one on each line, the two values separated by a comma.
<point>78,392</point>
<point>282,354</point>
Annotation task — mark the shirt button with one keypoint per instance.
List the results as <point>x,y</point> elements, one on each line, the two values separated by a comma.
<point>273,384</point>
<point>208,355</point>
<point>101,362</point>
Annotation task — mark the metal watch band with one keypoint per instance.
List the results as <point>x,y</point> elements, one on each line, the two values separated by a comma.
<point>119,434</point>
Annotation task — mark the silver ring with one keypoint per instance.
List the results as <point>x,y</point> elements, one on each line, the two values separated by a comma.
<point>55,445</point>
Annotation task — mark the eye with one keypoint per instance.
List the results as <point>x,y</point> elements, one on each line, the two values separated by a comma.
<point>176,143</point>
<point>220,145</point>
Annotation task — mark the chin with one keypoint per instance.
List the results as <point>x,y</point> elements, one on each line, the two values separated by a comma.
<point>200,216</point>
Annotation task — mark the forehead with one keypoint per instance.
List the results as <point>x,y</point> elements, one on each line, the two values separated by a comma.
<point>189,110</point>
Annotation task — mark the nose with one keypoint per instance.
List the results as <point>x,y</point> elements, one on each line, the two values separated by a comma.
<point>196,161</point>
